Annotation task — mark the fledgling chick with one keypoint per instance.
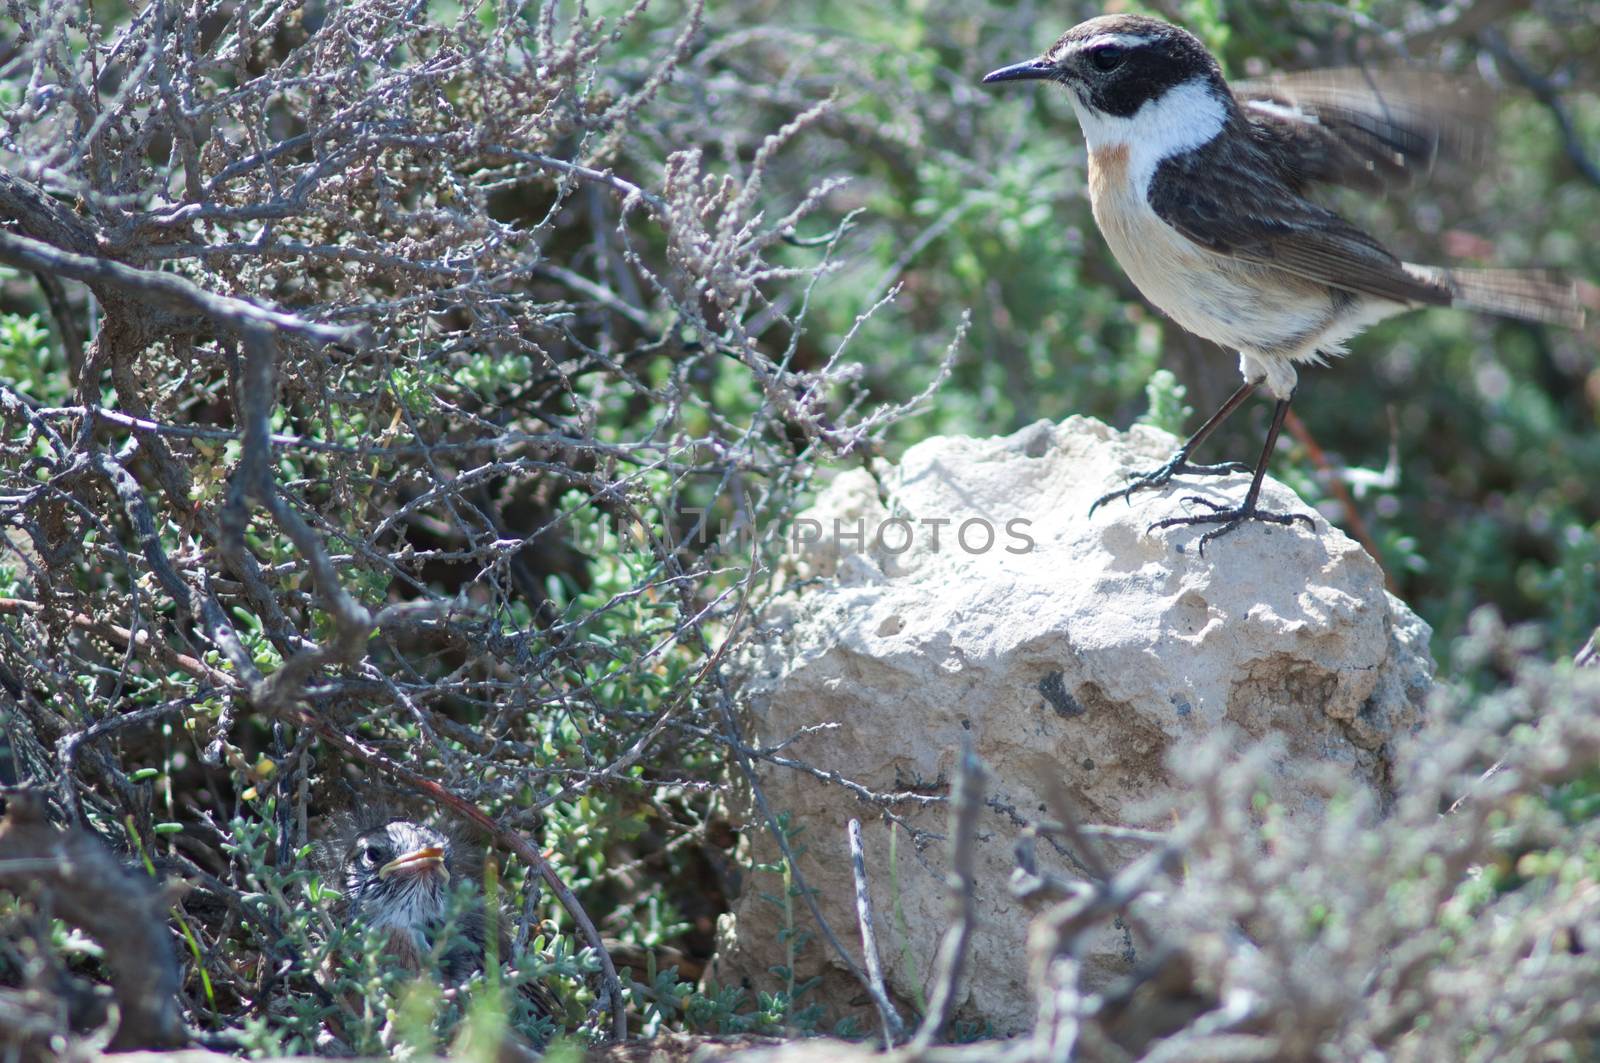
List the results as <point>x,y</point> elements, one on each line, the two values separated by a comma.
<point>397,875</point>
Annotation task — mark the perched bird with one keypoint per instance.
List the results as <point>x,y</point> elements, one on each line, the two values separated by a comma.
<point>396,875</point>
<point>1199,189</point>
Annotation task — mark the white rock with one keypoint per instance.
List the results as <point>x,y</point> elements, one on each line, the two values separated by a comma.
<point>1071,646</point>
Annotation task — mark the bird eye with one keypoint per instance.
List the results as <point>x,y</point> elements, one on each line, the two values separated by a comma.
<point>372,854</point>
<point>1107,57</point>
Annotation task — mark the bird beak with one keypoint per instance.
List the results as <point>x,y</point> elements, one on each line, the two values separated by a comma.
<point>431,856</point>
<point>1040,69</point>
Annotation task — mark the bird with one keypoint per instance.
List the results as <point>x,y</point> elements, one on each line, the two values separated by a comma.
<point>1200,189</point>
<point>395,875</point>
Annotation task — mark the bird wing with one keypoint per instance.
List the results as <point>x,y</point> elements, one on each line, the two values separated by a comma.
<point>1373,130</point>
<point>1228,201</point>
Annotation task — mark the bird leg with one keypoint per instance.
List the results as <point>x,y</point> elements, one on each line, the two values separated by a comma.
<point>1233,518</point>
<point>1179,462</point>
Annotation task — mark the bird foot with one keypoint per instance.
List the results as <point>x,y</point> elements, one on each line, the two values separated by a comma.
<point>1230,519</point>
<point>1179,465</point>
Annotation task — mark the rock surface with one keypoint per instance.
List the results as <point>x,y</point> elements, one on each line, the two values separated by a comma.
<point>1061,645</point>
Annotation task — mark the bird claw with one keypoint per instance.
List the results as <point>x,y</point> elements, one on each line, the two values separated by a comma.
<point>1230,519</point>
<point>1160,477</point>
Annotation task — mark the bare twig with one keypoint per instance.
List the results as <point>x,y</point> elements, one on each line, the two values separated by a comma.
<point>893,1025</point>
<point>966,802</point>
<point>1549,95</point>
<point>160,289</point>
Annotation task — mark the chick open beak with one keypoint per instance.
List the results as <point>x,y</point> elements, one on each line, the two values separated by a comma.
<point>415,862</point>
<point>1039,69</point>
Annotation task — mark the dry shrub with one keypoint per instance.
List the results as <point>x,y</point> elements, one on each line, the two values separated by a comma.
<point>413,423</point>
<point>1460,924</point>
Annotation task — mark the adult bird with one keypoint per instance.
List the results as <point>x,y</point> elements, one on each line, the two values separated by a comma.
<point>1199,187</point>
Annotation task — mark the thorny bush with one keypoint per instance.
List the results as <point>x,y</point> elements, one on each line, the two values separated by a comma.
<point>413,424</point>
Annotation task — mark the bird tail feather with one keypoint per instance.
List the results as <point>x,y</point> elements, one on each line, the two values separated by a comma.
<point>1528,295</point>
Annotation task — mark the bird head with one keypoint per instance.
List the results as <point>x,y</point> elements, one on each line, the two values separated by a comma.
<point>1117,66</point>
<point>401,876</point>
<point>396,875</point>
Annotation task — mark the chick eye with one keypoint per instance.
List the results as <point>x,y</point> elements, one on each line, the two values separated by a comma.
<point>371,854</point>
<point>1107,57</point>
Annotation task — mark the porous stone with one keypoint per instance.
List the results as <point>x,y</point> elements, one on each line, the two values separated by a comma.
<point>968,595</point>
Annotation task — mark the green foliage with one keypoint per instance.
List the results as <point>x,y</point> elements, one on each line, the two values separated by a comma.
<point>1167,410</point>
<point>27,358</point>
